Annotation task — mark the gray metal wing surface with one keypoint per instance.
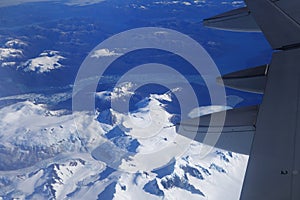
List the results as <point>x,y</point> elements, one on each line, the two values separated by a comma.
<point>273,171</point>
<point>274,163</point>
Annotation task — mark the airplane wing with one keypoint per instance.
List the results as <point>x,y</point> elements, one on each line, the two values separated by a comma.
<point>237,133</point>
<point>274,164</point>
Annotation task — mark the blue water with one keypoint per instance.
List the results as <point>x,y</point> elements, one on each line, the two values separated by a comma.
<point>87,26</point>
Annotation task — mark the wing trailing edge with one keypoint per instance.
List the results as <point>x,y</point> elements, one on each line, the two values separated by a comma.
<point>248,80</point>
<point>237,132</point>
<point>274,162</point>
<point>278,20</point>
<point>235,20</point>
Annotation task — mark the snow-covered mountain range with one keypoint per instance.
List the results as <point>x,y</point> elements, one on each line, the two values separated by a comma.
<point>49,152</point>
<point>45,155</point>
